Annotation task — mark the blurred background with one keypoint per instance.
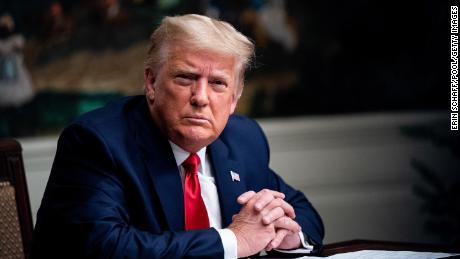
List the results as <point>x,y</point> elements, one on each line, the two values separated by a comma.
<point>354,97</point>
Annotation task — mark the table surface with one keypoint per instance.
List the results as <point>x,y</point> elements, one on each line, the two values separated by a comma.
<point>360,244</point>
<point>363,244</point>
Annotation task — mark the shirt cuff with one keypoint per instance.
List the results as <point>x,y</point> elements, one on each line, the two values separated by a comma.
<point>304,242</point>
<point>305,247</point>
<point>229,243</point>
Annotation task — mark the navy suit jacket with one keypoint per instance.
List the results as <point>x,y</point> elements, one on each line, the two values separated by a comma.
<point>115,190</point>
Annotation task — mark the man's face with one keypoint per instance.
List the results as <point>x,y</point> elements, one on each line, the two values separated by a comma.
<point>192,96</point>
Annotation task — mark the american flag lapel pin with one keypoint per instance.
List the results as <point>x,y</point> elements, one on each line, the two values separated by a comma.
<point>235,176</point>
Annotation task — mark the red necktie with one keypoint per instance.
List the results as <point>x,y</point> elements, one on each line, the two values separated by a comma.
<point>196,216</point>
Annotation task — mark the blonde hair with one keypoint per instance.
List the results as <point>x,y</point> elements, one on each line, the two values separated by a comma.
<point>203,33</point>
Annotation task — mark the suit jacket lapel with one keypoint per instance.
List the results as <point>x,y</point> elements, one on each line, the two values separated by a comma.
<point>228,189</point>
<point>161,166</point>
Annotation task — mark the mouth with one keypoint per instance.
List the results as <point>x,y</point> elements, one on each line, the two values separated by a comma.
<point>196,119</point>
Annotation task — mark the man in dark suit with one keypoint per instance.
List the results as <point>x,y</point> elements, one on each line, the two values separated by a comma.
<point>173,173</point>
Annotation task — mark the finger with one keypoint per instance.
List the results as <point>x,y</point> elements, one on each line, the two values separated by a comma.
<point>287,224</point>
<point>273,215</point>
<point>245,197</point>
<point>287,208</point>
<point>264,197</point>
<point>262,200</point>
<point>280,234</point>
<point>276,194</point>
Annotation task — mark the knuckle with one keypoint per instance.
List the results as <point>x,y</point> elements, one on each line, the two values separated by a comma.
<point>280,210</point>
<point>280,194</point>
<point>251,202</point>
<point>264,212</point>
<point>279,201</point>
<point>283,222</point>
<point>288,207</point>
<point>285,204</point>
<point>286,221</point>
<point>266,198</point>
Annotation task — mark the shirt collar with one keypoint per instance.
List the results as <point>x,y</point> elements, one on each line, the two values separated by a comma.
<point>180,155</point>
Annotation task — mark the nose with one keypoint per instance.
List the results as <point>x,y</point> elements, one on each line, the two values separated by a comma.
<point>200,93</point>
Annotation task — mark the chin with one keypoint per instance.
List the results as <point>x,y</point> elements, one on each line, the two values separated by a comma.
<point>198,135</point>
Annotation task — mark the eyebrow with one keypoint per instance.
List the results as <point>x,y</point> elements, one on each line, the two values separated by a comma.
<point>185,69</point>
<point>219,76</point>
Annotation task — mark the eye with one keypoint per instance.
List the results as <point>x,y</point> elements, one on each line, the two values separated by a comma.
<point>184,79</point>
<point>218,84</point>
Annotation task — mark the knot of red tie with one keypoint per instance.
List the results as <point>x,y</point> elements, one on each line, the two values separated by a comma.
<point>191,163</point>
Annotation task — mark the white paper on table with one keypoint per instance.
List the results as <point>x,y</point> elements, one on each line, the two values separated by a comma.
<point>381,254</point>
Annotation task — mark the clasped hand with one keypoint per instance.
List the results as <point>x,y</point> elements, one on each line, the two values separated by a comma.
<point>265,221</point>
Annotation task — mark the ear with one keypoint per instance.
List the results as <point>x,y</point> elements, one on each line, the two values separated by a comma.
<point>236,97</point>
<point>233,105</point>
<point>149,84</point>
